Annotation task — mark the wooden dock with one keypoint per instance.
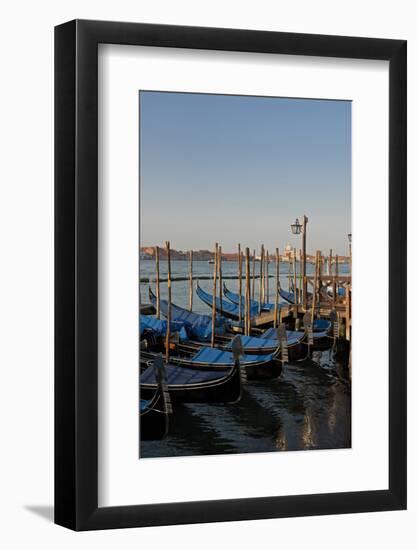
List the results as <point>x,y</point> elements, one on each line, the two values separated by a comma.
<point>323,307</point>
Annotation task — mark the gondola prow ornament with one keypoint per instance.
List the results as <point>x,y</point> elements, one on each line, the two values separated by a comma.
<point>283,342</point>
<point>161,379</point>
<point>237,350</point>
<point>308,329</point>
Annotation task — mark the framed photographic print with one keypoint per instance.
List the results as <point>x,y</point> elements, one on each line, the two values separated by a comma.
<point>230,275</point>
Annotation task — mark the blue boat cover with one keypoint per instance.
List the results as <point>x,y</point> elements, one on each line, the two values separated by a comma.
<point>144,403</point>
<point>293,336</point>
<point>178,376</point>
<point>252,342</point>
<point>228,307</point>
<point>320,325</point>
<point>159,326</point>
<point>216,356</point>
<point>234,298</point>
<point>198,326</point>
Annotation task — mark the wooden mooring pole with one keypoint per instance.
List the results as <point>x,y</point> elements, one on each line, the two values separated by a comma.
<point>220,280</point>
<point>247,294</point>
<point>191,290</point>
<point>253,273</point>
<point>276,287</point>
<point>168,334</point>
<point>158,289</point>
<point>295,311</point>
<point>304,263</point>
<point>213,310</point>
<point>267,277</point>
<point>337,275</point>
<point>319,280</point>
<point>261,279</point>
<point>313,307</point>
<point>348,297</point>
<point>240,281</point>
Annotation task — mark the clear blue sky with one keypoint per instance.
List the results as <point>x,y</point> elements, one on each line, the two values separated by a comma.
<point>241,169</point>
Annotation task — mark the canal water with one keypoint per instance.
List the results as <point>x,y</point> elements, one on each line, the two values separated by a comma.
<point>308,407</point>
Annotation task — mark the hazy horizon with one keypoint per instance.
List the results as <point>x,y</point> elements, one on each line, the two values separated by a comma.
<point>232,169</point>
<point>258,250</point>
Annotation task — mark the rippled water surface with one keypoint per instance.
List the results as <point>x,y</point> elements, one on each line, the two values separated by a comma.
<point>308,407</point>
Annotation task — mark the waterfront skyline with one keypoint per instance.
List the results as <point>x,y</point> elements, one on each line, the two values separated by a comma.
<point>241,169</point>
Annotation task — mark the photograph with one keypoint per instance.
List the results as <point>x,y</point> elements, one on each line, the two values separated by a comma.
<point>245,274</point>
<point>189,192</point>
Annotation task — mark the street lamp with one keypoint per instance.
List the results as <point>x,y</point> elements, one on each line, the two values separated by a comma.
<point>298,229</point>
<point>350,251</point>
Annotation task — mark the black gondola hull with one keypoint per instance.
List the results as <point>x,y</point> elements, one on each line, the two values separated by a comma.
<point>226,389</point>
<point>262,370</point>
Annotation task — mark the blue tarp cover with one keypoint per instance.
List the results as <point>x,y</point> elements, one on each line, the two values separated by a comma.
<point>252,342</point>
<point>234,298</point>
<point>215,356</point>
<point>320,325</point>
<point>198,326</point>
<point>159,326</point>
<point>293,336</point>
<point>228,307</point>
<point>144,403</point>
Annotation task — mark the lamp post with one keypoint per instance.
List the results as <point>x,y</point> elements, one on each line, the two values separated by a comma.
<point>350,252</point>
<point>298,229</point>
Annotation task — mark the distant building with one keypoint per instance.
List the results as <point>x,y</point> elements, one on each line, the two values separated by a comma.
<point>288,253</point>
<point>148,253</point>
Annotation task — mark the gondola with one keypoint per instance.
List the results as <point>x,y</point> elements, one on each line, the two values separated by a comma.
<point>154,412</point>
<point>321,340</point>
<point>327,290</point>
<point>263,369</point>
<point>257,367</point>
<point>296,342</point>
<point>258,344</point>
<point>224,307</point>
<point>192,385</point>
<point>154,330</point>
<point>234,298</point>
<point>288,296</point>
<point>198,325</point>
<point>322,325</point>
<point>158,326</point>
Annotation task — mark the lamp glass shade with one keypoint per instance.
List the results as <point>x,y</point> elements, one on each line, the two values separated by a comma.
<point>296,227</point>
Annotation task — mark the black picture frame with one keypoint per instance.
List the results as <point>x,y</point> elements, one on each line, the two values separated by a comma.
<point>76,271</point>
